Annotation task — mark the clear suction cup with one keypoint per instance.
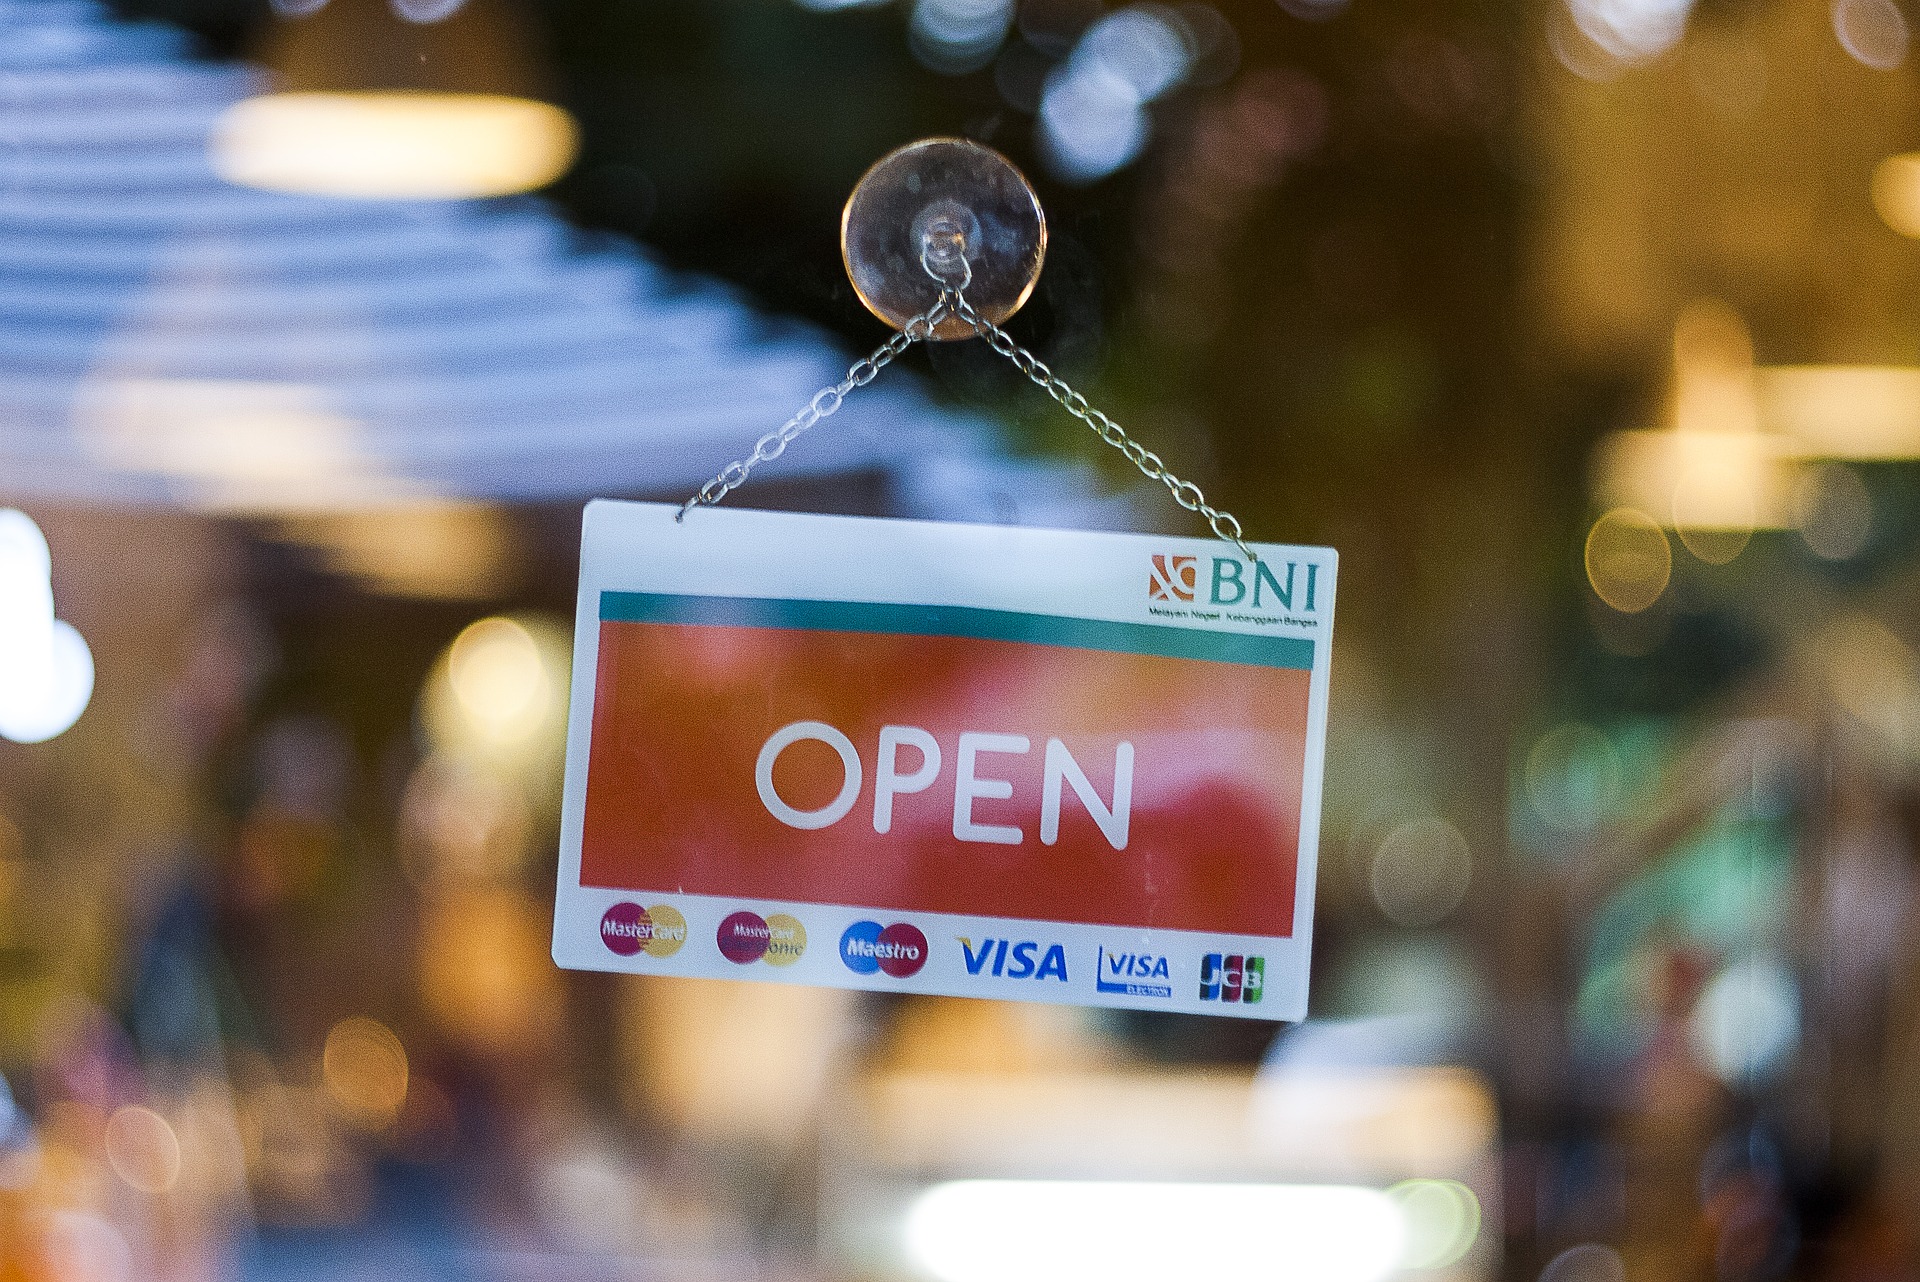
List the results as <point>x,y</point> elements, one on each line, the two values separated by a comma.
<point>965,207</point>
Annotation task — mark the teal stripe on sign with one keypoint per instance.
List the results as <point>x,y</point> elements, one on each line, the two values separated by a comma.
<point>958,621</point>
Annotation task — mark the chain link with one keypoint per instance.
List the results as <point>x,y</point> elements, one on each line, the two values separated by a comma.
<point>824,402</point>
<point>953,303</point>
<point>1224,524</point>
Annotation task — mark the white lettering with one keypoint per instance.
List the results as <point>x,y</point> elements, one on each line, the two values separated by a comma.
<point>967,788</point>
<point>888,781</point>
<point>1061,765</point>
<point>784,737</point>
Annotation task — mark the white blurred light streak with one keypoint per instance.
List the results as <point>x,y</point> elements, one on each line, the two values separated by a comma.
<point>46,670</point>
<point>1063,1230</point>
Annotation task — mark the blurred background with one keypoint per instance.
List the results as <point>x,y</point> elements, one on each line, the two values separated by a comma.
<point>1586,330</point>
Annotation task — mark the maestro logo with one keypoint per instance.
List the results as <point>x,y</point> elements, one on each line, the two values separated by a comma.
<point>899,950</point>
<point>1010,959</point>
<point>1175,578</point>
<point>1232,978</point>
<point>746,938</point>
<point>1134,974</point>
<point>629,929</point>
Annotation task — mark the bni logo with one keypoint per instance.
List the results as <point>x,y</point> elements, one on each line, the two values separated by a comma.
<point>1232,978</point>
<point>1175,578</point>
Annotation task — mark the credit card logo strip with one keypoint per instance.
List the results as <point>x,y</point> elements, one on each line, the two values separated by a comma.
<point>629,930</point>
<point>746,937</point>
<point>1134,974</point>
<point>1232,977</point>
<point>1013,959</point>
<point>899,950</point>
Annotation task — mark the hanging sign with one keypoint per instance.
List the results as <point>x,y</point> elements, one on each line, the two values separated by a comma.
<point>981,761</point>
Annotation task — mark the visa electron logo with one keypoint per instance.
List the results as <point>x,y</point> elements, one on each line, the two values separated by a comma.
<point>746,938</point>
<point>658,931</point>
<point>900,949</point>
<point>1176,578</point>
<point>1134,975</point>
<point>1232,978</point>
<point>1053,965</point>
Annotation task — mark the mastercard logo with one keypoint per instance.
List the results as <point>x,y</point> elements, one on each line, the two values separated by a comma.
<point>745,938</point>
<point>628,929</point>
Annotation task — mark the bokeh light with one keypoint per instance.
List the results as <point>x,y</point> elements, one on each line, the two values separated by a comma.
<point>1835,511</point>
<point>1747,1021</point>
<point>364,1068</point>
<point>1442,1219</point>
<point>1573,777</point>
<point>958,36</point>
<point>1628,560</point>
<point>1631,31</point>
<point>143,1149</point>
<point>1041,1231</point>
<point>394,146</point>
<point>1093,113</point>
<point>1874,676</point>
<point>46,669</point>
<point>1420,871</point>
<point>83,1246</point>
<point>1588,1262</point>
<point>1896,193</point>
<point>496,674</point>
<point>497,698</point>
<point>1873,31</point>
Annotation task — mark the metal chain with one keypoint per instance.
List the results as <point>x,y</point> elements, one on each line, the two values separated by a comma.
<point>824,402</point>
<point>953,303</point>
<point>1224,524</point>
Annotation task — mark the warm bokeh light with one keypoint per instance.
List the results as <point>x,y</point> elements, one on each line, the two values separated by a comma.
<point>1628,559</point>
<point>1856,412</point>
<point>496,700</point>
<point>1045,1230</point>
<point>495,670</point>
<point>143,1149</point>
<point>1896,192</point>
<point>364,1068</point>
<point>394,146</point>
<point>485,972</point>
<point>435,551</point>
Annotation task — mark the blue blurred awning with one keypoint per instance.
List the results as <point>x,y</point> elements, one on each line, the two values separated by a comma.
<point>168,338</point>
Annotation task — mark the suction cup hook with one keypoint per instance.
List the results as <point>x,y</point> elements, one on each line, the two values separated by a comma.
<point>946,206</point>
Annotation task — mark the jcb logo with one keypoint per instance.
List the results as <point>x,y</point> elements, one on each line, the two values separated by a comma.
<point>1175,578</point>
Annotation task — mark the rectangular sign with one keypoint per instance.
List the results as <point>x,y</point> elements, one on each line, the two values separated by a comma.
<point>1035,765</point>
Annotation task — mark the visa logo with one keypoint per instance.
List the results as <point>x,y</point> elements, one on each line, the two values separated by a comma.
<point>1134,975</point>
<point>1004,959</point>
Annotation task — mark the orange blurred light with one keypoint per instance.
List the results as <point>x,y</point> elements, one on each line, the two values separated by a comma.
<point>405,144</point>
